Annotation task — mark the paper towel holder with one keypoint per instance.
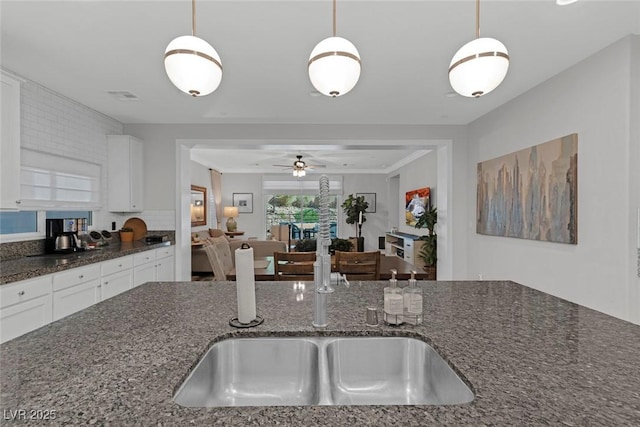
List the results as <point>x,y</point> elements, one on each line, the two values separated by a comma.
<point>255,322</point>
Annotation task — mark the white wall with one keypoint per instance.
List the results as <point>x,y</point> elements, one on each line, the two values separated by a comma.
<point>420,173</point>
<point>591,99</point>
<point>376,223</point>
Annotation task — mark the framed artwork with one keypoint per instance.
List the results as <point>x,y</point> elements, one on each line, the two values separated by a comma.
<point>416,203</point>
<point>244,202</point>
<point>531,193</point>
<point>371,199</point>
<point>198,206</point>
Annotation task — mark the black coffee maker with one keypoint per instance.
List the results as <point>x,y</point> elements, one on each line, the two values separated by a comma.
<point>61,236</point>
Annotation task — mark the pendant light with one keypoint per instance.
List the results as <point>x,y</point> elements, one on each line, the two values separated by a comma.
<point>334,64</point>
<point>480,65</point>
<point>192,64</point>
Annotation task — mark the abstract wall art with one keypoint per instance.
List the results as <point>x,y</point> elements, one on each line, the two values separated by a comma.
<point>532,193</point>
<point>416,202</point>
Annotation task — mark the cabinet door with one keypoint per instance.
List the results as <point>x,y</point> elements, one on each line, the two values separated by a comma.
<point>136,174</point>
<point>10,142</point>
<point>164,269</point>
<point>25,317</point>
<point>125,173</point>
<point>144,273</point>
<point>116,283</point>
<point>75,298</point>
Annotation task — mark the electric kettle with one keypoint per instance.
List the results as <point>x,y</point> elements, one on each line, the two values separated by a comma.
<point>67,241</point>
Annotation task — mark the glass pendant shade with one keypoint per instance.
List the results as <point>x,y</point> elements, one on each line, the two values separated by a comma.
<point>478,67</point>
<point>193,65</point>
<point>334,66</point>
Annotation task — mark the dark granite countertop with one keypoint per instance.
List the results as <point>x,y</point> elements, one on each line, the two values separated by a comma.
<point>14,270</point>
<point>531,358</point>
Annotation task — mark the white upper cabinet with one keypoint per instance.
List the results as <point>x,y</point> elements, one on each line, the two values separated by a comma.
<point>10,142</point>
<point>125,170</point>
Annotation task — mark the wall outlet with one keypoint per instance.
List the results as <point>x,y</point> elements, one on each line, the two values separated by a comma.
<point>479,276</point>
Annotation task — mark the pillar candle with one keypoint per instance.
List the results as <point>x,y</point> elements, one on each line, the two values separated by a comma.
<point>245,285</point>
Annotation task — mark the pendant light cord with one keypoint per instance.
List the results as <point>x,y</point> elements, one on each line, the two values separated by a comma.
<point>334,18</point>
<point>193,18</point>
<point>477,19</point>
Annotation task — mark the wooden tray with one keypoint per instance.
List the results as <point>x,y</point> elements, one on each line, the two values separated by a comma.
<point>138,226</point>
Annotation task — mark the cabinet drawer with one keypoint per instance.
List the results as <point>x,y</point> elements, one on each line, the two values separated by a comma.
<point>24,290</point>
<point>165,252</point>
<point>117,265</point>
<point>75,276</point>
<point>144,257</point>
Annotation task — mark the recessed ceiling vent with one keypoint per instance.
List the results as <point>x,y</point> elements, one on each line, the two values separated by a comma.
<point>123,95</point>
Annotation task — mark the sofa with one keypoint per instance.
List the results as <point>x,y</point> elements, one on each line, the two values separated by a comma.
<point>261,248</point>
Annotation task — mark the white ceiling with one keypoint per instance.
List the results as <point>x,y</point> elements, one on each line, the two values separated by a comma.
<point>83,49</point>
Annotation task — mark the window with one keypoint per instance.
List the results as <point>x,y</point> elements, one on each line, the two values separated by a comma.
<point>295,202</point>
<point>301,212</point>
<point>26,222</point>
<point>18,222</point>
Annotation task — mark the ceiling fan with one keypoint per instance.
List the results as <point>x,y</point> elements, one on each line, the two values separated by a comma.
<point>300,166</point>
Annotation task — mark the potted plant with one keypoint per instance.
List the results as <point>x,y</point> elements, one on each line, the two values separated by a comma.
<point>342,245</point>
<point>126,234</point>
<point>429,251</point>
<point>355,209</point>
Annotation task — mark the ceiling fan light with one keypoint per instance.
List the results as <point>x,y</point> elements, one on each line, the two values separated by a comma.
<point>334,66</point>
<point>478,67</point>
<point>193,65</point>
<point>565,2</point>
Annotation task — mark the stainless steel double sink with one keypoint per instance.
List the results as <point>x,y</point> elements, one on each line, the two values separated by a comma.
<point>296,371</point>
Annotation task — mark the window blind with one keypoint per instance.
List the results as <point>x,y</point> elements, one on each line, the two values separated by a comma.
<point>48,180</point>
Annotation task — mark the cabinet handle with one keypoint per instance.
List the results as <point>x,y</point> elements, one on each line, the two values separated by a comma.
<point>99,286</point>
<point>81,276</point>
<point>18,202</point>
<point>119,265</point>
<point>21,293</point>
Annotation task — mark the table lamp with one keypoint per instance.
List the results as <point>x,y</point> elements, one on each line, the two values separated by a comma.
<point>231,212</point>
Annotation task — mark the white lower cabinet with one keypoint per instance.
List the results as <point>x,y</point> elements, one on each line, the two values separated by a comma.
<point>164,264</point>
<point>117,277</point>
<point>30,304</point>
<point>144,267</point>
<point>75,290</point>
<point>154,266</point>
<point>25,306</point>
<point>115,284</point>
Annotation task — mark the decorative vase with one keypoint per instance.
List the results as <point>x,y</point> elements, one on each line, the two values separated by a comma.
<point>360,244</point>
<point>126,236</point>
<point>232,225</point>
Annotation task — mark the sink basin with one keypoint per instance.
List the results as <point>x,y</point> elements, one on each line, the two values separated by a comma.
<point>299,371</point>
<point>391,371</point>
<point>254,372</point>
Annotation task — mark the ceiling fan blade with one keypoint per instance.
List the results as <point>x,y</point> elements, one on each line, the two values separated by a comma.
<point>282,166</point>
<point>317,166</point>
